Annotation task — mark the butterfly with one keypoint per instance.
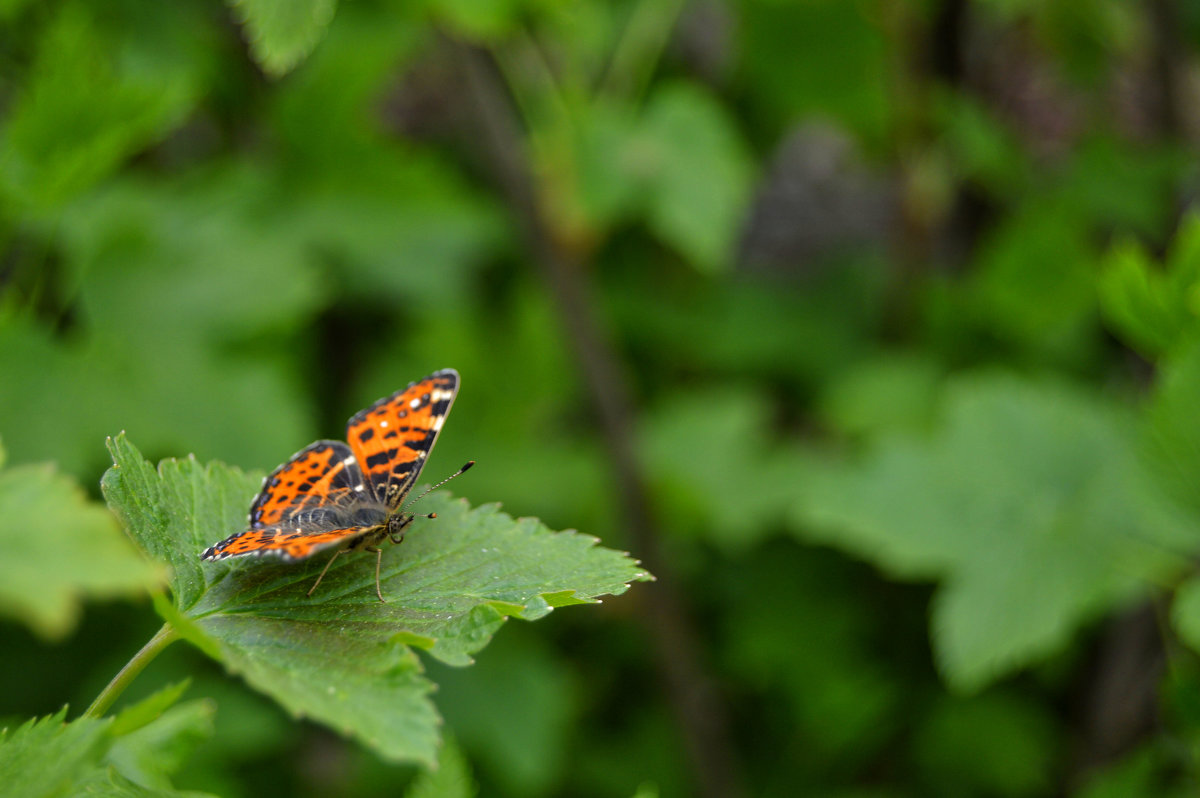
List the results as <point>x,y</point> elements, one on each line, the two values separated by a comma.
<point>349,497</point>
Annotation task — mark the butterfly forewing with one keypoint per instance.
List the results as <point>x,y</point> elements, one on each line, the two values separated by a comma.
<point>392,437</point>
<point>315,475</point>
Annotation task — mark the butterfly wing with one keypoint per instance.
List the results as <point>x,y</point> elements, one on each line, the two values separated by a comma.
<point>392,437</point>
<point>318,474</point>
<point>288,542</point>
<point>315,500</point>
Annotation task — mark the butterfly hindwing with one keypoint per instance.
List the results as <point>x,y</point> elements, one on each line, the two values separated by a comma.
<point>283,541</point>
<point>392,437</point>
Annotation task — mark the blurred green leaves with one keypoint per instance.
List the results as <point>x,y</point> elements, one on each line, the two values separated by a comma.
<point>59,550</point>
<point>131,755</point>
<point>342,657</point>
<point>1029,504</point>
<point>1154,308</point>
<point>96,93</point>
<point>700,174</point>
<point>225,264</point>
<point>680,163</point>
<point>732,484</point>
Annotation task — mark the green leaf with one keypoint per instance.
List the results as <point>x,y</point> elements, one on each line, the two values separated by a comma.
<point>283,32</point>
<point>341,656</point>
<point>1171,429</point>
<point>102,756</point>
<point>699,173</point>
<point>47,757</point>
<point>478,19</point>
<point>149,709</point>
<point>888,392</point>
<point>735,482</point>
<point>450,779</point>
<point>1035,276</point>
<point>168,272</point>
<point>1029,504</point>
<point>149,755</point>
<point>1154,309</point>
<point>59,550</point>
<point>683,164</point>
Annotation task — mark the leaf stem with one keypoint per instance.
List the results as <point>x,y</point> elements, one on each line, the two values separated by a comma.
<point>163,638</point>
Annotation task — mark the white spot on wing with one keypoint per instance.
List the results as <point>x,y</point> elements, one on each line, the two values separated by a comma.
<point>414,404</point>
<point>382,423</point>
<point>349,461</point>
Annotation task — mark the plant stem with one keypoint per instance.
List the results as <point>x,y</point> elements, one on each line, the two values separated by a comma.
<point>163,638</point>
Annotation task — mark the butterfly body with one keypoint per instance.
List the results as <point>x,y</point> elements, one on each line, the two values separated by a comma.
<point>348,496</point>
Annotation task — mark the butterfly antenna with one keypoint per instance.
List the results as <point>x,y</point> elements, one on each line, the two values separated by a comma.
<point>432,488</point>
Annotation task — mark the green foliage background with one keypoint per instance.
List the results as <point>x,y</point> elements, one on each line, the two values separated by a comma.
<point>873,328</point>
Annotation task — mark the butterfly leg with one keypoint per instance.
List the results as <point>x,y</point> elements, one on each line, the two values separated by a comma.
<point>323,570</point>
<point>378,562</point>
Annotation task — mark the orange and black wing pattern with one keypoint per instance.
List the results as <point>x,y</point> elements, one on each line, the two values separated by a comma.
<point>316,475</point>
<point>315,500</point>
<point>392,437</point>
<point>290,543</point>
<point>329,493</point>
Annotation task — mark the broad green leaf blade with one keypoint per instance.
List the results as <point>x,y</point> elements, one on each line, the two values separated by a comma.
<point>341,656</point>
<point>176,511</point>
<point>358,684</point>
<point>283,32</point>
<point>735,482</point>
<point>701,173</point>
<point>59,549</point>
<point>1029,504</point>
